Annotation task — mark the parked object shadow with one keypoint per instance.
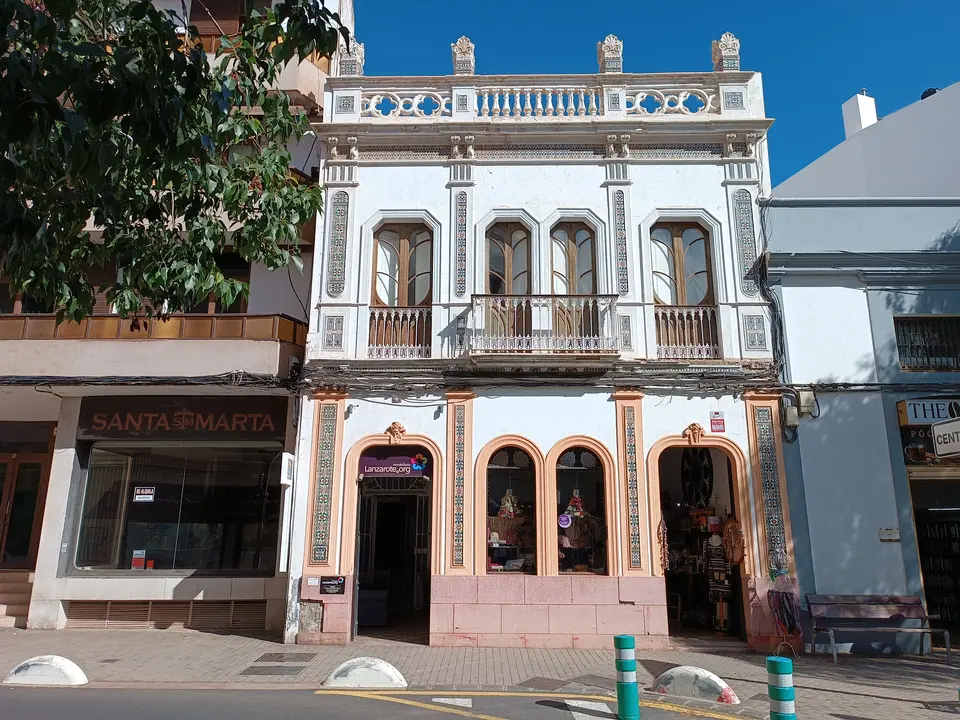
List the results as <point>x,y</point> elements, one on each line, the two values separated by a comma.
<point>588,712</point>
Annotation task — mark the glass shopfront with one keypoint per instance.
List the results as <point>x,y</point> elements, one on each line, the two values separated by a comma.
<point>180,485</point>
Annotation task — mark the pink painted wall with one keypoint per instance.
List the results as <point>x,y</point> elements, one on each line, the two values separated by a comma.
<point>566,611</point>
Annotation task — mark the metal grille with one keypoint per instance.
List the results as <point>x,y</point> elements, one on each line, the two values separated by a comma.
<point>286,657</point>
<point>273,670</point>
<point>928,343</point>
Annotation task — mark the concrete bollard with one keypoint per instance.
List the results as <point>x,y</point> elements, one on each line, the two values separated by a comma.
<point>628,695</point>
<point>780,689</point>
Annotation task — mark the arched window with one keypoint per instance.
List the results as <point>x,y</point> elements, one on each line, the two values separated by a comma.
<point>508,259</point>
<point>574,259</point>
<point>581,513</point>
<point>404,266</point>
<point>682,273</point>
<point>511,512</point>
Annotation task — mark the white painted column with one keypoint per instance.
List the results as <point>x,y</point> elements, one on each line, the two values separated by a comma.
<point>46,609</point>
<point>298,527</point>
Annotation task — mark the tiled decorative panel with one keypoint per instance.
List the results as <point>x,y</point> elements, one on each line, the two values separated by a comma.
<point>733,100</point>
<point>460,289</point>
<point>633,483</point>
<point>626,333</point>
<point>746,239</point>
<point>770,486</point>
<point>323,492</point>
<point>333,332</point>
<point>337,270</point>
<point>755,333</point>
<point>623,273</point>
<point>459,459</point>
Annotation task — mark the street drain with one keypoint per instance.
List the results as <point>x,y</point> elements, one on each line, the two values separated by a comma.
<point>272,670</point>
<point>286,657</point>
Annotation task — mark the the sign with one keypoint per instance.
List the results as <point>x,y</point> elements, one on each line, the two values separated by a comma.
<point>311,581</point>
<point>564,521</point>
<point>402,466</point>
<point>182,418</point>
<point>889,534</point>
<point>333,585</point>
<point>946,438</point>
<point>927,412</point>
<point>144,494</point>
<point>139,560</point>
<point>717,423</point>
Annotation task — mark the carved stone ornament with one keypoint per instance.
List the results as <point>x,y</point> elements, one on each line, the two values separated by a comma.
<point>396,431</point>
<point>469,153</point>
<point>694,433</point>
<point>610,54</point>
<point>729,140</point>
<point>352,153</point>
<point>455,153</point>
<point>464,59</point>
<point>751,139</point>
<point>726,53</point>
<point>332,152</point>
<point>351,60</point>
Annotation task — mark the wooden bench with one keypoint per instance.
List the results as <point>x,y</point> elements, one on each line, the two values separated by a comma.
<point>868,613</point>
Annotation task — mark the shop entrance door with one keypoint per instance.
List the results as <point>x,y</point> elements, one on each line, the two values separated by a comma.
<point>21,509</point>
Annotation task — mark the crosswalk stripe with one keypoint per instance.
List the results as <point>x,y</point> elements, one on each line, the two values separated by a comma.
<point>458,701</point>
<point>585,705</point>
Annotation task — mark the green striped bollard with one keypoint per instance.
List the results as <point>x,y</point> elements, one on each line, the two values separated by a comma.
<point>628,697</point>
<point>780,689</point>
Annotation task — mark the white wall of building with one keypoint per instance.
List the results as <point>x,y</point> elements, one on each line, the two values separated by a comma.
<point>285,291</point>
<point>848,485</point>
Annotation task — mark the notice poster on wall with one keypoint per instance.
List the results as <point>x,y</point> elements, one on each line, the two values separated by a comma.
<point>139,560</point>
<point>717,423</point>
<point>144,494</point>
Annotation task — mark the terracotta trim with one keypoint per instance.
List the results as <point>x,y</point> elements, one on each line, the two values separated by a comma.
<point>480,498</point>
<point>633,400</point>
<point>741,481</point>
<point>610,512</point>
<point>350,466</point>
<point>333,538</point>
<point>773,402</point>
<point>457,400</point>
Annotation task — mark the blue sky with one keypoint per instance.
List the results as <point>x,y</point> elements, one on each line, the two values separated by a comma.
<point>813,55</point>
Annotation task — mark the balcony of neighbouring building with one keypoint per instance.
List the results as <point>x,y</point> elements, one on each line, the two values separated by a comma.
<point>687,333</point>
<point>575,328</point>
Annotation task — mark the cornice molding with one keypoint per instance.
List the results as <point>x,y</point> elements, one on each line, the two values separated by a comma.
<point>604,79</point>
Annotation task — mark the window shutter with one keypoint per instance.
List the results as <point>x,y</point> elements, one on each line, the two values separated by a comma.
<point>226,13</point>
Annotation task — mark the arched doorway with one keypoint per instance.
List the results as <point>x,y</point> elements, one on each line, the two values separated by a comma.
<point>394,542</point>
<point>511,511</point>
<point>701,543</point>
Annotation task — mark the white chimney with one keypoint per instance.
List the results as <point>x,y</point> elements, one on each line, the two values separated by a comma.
<point>859,112</point>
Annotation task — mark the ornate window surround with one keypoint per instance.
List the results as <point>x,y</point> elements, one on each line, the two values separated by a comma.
<point>717,239</point>
<point>368,245</point>
<point>480,246</point>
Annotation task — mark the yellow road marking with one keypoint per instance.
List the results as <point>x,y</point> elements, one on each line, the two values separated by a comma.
<point>422,705</point>
<point>391,696</point>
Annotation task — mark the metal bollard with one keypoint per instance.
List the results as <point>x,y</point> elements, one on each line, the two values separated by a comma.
<point>628,696</point>
<point>780,689</point>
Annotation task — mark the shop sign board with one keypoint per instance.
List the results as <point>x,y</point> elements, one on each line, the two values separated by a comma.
<point>394,466</point>
<point>335,585</point>
<point>927,411</point>
<point>717,423</point>
<point>144,494</point>
<point>946,438</point>
<point>182,418</point>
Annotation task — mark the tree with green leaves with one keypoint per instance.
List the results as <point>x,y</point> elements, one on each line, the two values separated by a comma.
<point>112,114</point>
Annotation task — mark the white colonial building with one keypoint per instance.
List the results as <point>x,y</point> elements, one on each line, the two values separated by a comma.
<point>537,361</point>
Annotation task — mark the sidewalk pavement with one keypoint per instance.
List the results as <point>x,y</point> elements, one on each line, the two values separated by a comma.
<point>859,689</point>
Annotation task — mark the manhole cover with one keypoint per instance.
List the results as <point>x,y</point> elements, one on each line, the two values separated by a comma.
<point>272,670</point>
<point>540,683</point>
<point>286,657</point>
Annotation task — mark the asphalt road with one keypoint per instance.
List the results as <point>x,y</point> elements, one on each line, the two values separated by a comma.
<point>103,704</point>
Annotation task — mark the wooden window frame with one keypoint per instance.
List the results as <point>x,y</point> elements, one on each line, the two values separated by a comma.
<point>405,231</point>
<point>676,230</point>
<point>571,228</point>
<point>508,253</point>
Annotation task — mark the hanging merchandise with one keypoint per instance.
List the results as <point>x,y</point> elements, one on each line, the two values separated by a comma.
<point>664,545</point>
<point>575,506</point>
<point>733,542</point>
<point>508,505</point>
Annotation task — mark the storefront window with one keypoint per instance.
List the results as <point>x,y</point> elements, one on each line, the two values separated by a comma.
<point>581,513</point>
<point>179,507</point>
<point>511,512</point>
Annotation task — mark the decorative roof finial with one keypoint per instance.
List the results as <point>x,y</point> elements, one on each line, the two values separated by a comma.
<point>464,60</point>
<point>610,54</point>
<point>726,53</point>
<point>351,60</point>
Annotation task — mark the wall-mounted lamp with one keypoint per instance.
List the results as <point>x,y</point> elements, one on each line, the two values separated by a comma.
<point>349,410</point>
